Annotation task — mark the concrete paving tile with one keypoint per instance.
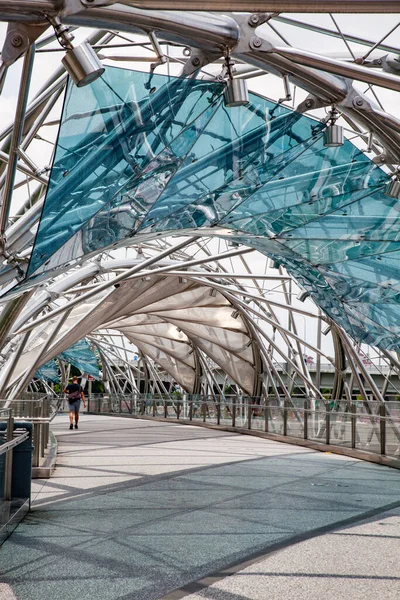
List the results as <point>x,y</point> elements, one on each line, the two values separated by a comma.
<point>139,508</point>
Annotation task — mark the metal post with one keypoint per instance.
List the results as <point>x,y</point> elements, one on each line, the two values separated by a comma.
<point>249,414</point>
<point>218,411</point>
<point>16,136</point>
<point>204,409</point>
<point>234,411</point>
<point>9,459</point>
<point>382,427</point>
<point>353,417</point>
<point>36,438</point>
<point>178,410</point>
<point>154,408</point>
<point>190,410</point>
<point>327,423</point>
<point>285,416</point>
<point>266,414</point>
<point>165,409</point>
<point>305,418</point>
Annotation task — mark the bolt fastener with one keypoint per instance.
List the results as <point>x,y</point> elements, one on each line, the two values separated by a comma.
<point>17,41</point>
<point>256,42</point>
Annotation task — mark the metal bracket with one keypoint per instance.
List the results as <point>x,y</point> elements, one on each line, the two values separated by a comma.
<point>197,60</point>
<point>258,19</point>
<point>161,58</point>
<point>18,39</point>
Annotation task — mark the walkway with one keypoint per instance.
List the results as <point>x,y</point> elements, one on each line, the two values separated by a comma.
<point>139,510</point>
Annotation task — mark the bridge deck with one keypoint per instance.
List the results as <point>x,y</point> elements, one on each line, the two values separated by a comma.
<point>144,510</point>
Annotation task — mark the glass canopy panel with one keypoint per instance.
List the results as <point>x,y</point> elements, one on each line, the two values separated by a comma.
<point>48,372</point>
<point>143,158</point>
<point>114,133</point>
<point>81,356</point>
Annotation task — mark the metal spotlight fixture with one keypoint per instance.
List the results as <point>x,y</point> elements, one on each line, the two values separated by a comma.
<point>235,93</point>
<point>392,189</point>
<point>333,134</point>
<point>81,62</point>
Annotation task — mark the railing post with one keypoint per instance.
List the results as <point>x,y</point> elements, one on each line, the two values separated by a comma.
<point>305,419</point>
<point>327,423</point>
<point>353,418</point>
<point>234,411</point>
<point>36,438</point>
<point>98,404</point>
<point>154,408</point>
<point>190,410</point>
<point>382,427</point>
<point>219,411</point>
<point>165,409</point>
<point>266,414</point>
<point>8,460</point>
<point>249,414</point>
<point>285,416</point>
<point>178,409</point>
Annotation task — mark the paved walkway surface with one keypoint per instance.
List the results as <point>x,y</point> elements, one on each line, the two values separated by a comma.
<point>139,510</point>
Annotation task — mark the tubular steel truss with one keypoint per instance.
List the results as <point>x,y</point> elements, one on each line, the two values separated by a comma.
<point>195,313</point>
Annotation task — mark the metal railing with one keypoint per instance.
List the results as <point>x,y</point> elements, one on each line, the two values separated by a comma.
<point>369,426</point>
<point>38,410</point>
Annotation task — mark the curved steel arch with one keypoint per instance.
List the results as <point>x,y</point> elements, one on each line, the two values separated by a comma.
<point>209,37</point>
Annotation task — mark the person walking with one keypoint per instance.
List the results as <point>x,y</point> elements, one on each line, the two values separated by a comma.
<point>75,395</point>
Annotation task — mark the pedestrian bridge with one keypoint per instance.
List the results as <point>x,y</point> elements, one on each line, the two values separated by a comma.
<point>143,509</point>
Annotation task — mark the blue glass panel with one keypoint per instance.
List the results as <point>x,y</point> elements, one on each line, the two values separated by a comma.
<point>48,372</point>
<point>144,158</point>
<point>82,357</point>
<point>110,138</point>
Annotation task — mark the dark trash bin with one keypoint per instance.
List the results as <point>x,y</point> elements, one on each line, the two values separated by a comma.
<point>21,477</point>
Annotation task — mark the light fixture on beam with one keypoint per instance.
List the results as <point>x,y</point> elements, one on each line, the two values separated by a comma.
<point>81,62</point>
<point>392,189</point>
<point>333,134</point>
<point>236,92</point>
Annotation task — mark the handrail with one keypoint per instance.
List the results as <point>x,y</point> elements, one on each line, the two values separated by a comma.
<point>369,430</point>
<point>14,442</point>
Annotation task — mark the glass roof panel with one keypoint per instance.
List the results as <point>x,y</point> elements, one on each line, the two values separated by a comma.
<point>141,157</point>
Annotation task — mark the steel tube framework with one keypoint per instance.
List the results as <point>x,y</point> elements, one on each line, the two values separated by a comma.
<point>249,332</point>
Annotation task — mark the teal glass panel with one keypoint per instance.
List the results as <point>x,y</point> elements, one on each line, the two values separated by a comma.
<point>117,135</point>
<point>82,357</point>
<point>140,158</point>
<point>48,372</point>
